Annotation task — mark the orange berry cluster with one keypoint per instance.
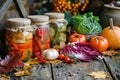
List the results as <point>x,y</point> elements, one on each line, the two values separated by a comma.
<point>61,5</point>
<point>70,7</point>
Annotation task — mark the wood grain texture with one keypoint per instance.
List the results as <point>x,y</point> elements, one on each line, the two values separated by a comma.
<point>78,71</point>
<point>113,64</point>
<point>39,72</point>
<point>21,8</point>
<point>4,8</point>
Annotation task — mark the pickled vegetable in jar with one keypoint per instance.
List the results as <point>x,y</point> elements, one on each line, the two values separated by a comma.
<point>41,40</point>
<point>58,26</point>
<point>19,36</point>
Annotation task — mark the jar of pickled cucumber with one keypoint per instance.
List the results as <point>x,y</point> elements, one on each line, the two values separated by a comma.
<point>41,40</point>
<point>58,26</point>
<point>19,36</point>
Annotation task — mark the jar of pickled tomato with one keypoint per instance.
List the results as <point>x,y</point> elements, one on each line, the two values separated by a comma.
<point>41,40</point>
<point>19,36</point>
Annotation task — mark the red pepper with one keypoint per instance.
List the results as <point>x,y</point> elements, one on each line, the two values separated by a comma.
<point>39,33</point>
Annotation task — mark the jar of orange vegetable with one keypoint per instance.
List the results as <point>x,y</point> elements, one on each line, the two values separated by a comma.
<point>58,26</point>
<point>41,40</point>
<point>19,36</point>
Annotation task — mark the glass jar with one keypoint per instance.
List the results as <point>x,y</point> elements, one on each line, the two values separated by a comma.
<point>19,36</point>
<point>41,40</point>
<point>58,26</point>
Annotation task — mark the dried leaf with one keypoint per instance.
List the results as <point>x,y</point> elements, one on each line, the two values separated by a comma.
<point>54,61</point>
<point>109,52</point>
<point>4,77</point>
<point>32,61</point>
<point>22,73</point>
<point>27,66</point>
<point>99,74</point>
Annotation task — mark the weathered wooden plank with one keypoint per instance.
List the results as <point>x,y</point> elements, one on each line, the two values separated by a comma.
<point>39,72</point>
<point>21,8</point>
<point>113,64</point>
<point>4,8</point>
<point>78,71</point>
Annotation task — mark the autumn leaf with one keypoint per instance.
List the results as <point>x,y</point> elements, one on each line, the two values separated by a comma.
<point>22,73</point>
<point>99,74</point>
<point>4,77</point>
<point>109,52</point>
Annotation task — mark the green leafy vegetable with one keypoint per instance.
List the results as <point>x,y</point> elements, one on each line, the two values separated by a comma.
<point>86,23</point>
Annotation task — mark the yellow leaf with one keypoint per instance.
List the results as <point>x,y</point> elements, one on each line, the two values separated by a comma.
<point>22,73</point>
<point>54,61</point>
<point>109,52</point>
<point>5,77</point>
<point>99,74</point>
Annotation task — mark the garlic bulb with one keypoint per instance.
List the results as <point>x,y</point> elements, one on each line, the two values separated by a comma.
<point>50,54</point>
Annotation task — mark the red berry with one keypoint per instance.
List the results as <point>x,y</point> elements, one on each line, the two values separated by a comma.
<point>43,61</point>
<point>71,61</point>
<point>37,54</point>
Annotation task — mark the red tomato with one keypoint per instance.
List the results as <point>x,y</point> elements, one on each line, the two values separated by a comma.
<point>61,56</point>
<point>67,59</point>
<point>75,37</point>
<point>99,43</point>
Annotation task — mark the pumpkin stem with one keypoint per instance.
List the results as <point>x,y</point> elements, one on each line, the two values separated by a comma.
<point>111,23</point>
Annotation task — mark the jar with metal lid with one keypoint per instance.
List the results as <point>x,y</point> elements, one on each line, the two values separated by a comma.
<point>41,40</point>
<point>19,36</point>
<point>58,26</point>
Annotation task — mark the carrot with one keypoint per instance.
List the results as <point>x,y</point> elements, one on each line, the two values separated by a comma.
<point>23,54</point>
<point>13,45</point>
<point>26,45</point>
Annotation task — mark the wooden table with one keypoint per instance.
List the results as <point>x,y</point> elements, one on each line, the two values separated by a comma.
<point>78,71</point>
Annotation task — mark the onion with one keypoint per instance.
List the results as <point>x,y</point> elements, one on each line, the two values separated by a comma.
<point>50,54</point>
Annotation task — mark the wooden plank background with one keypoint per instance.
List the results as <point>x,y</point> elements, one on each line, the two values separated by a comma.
<point>78,71</point>
<point>113,64</point>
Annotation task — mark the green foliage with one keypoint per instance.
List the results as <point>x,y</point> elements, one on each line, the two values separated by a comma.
<point>86,23</point>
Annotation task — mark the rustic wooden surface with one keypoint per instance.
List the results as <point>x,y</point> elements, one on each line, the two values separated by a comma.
<point>39,72</point>
<point>78,71</point>
<point>113,64</point>
<point>65,71</point>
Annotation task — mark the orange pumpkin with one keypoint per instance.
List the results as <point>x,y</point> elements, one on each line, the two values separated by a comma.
<point>112,34</point>
<point>99,43</point>
<point>76,37</point>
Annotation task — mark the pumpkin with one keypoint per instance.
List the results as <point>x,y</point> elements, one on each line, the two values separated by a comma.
<point>76,37</point>
<point>99,43</point>
<point>112,34</point>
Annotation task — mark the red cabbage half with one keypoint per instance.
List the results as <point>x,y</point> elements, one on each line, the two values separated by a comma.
<point>83,52</point>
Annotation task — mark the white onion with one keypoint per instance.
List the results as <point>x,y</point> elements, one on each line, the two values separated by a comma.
<point>50,54</point>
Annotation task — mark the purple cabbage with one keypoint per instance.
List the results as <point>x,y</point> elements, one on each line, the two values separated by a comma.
<point>83,52</point>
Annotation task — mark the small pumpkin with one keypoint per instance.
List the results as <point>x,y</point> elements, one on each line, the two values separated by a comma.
<point>99,43</point>
<point>112,34</point>
<point>76,37</point>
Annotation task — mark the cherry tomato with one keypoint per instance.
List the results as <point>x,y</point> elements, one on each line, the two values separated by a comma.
<point>67,59</point>
<point>61,56</point>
